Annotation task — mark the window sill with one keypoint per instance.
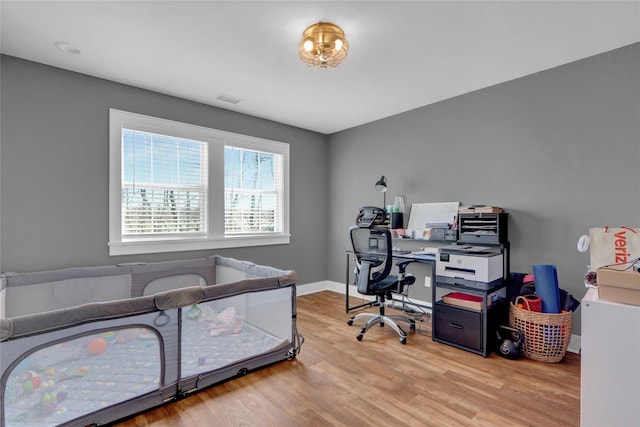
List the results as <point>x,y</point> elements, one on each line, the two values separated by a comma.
<point>133,247</point>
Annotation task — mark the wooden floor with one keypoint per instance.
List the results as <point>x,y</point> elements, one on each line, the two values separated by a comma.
<point>339,381</point>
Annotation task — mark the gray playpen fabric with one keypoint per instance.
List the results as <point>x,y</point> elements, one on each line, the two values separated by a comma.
<point>101,360</point>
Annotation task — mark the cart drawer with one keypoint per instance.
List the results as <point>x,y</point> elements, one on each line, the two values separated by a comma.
<point>458,326</point>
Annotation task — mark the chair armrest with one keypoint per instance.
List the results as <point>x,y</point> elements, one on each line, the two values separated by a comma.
<point>402,265</point>
<point>363,278</point>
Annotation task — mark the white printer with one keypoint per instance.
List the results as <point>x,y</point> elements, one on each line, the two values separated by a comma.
<point>477,267</point>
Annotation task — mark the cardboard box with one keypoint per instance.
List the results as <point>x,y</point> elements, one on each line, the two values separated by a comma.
<point>619,285</point>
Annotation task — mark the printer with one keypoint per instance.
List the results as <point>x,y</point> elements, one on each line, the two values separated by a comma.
<point>477,267</point>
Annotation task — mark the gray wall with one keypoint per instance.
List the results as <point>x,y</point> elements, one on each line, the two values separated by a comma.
<point>55,182</point>
<point>559,150</point>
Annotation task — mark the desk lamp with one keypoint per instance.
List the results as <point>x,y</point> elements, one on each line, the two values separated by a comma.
<point>381,186</point>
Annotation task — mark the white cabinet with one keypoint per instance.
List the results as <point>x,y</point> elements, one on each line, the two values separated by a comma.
<point>610,363</point>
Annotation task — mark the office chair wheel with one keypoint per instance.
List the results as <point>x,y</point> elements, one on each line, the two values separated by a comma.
<point>359,337</point>
<point>412,326</point>
<point>350,321</point>
<point>403,340</point>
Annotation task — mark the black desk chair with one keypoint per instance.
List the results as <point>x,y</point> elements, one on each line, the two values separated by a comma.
<point>374,259</point>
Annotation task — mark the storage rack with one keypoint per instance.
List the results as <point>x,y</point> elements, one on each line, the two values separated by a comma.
<point>464,328</point>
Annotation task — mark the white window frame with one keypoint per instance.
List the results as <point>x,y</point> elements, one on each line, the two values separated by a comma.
<point>215,237</point>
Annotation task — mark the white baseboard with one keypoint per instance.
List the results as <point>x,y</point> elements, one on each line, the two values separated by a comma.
<point>328,285</point>
<point>311,288</point>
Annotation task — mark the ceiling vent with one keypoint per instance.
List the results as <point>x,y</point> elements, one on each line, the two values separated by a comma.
<point>227,98</point>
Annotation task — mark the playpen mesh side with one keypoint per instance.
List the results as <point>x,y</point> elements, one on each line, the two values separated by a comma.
<point>100,361</point>
<point>38,292</point>
<point>96,368</point>
<point>76,373</point>
<point>245,325</point>
<point>151,278</point>
<point>97,374</point>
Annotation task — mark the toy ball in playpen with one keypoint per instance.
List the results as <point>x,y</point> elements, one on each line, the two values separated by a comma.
<point>30,381</point>
<point>97,346</point>
<point>49,402</point>
<point>110,337</point>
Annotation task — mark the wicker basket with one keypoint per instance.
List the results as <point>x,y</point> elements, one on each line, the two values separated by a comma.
<point>546,335</point>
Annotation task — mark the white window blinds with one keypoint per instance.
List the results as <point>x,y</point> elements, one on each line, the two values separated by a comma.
<point>164,185</point>
<point>253,191</point>
<point>177,187</point>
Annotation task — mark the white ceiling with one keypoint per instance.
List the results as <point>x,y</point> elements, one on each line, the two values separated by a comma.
<point>403,55</point>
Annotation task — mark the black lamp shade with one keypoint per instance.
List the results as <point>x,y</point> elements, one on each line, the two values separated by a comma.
<point>381,185</point>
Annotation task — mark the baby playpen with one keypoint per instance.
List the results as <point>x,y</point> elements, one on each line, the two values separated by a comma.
<point>88,346</point>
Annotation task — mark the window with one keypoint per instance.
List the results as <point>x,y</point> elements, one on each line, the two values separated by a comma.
<point>164,185</point>
<point>175,186</point>
<point>252,191</point>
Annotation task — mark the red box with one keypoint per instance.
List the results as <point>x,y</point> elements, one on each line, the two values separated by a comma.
<point>460,299</point>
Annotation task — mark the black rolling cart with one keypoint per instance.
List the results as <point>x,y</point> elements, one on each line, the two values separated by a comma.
<point>473,328</point>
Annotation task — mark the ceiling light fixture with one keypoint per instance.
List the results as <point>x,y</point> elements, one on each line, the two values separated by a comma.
<point>323,45</point>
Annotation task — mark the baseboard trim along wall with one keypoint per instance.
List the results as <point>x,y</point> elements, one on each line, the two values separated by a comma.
<point>328,285</point>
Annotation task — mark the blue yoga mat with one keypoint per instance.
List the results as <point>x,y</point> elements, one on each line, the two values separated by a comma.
<point>546,277</point>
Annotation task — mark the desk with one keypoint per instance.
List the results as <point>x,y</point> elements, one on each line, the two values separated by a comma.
<point>397,257</point>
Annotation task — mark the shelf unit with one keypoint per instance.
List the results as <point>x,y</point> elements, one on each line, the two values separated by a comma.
<point>483,228</point>
<point>464,328</point>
